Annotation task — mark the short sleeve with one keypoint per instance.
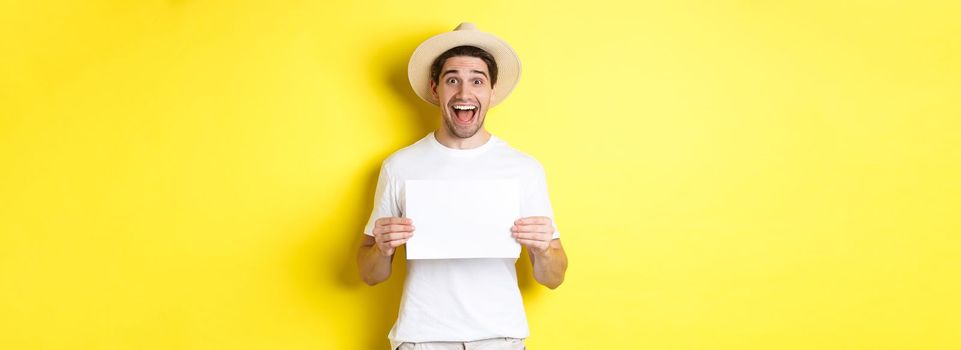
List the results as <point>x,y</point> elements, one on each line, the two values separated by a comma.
<point>385,203</point>
<point>537,201</point>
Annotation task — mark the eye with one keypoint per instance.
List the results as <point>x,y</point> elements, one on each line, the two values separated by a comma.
<point>452,81</point>
<point>478,82</point>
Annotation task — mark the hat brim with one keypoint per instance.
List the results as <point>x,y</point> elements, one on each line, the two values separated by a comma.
<point>508,64</point>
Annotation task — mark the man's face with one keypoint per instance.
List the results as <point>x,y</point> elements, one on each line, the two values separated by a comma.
<point>464,91</point>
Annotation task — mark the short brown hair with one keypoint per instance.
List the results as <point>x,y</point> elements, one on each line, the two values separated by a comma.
<point>465,50</point>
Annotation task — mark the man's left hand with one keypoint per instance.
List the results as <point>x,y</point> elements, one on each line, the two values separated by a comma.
<point>534,232</point>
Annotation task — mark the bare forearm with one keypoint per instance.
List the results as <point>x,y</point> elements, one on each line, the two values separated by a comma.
<point>373,264</point>
<point>377,250</point>
<point>550,267</point>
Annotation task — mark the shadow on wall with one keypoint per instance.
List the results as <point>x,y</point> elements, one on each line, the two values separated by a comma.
<point>381,302</point>
<point>391,63</point>
<point>377,309</point>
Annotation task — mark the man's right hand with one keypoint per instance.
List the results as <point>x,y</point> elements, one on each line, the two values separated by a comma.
<point>392,232</point>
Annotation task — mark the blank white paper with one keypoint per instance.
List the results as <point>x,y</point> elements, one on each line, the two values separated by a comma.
<point>462,218</point>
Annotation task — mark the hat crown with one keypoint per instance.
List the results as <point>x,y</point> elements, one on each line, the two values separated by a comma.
<point>466,33</point>
<point>466,26</point>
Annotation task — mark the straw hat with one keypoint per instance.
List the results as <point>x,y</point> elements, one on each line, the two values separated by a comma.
<point>508,65</point>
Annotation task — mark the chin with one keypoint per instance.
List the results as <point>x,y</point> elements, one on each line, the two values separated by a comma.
<point>462,133</point>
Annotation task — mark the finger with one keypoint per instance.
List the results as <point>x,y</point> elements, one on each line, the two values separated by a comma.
<point>533,220</point>
<point>533,243</point>
<point>394,242</point>
<point>537,236</point>
<point>399,235</point>
<point>393,228</point>
<point>532,228</point>
<point>387,237</point>
<point>398,243</point>
<point>393,220</point>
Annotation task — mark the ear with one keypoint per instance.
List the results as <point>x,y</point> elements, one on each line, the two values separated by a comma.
<point>493,91</point>
<point>433,90</point>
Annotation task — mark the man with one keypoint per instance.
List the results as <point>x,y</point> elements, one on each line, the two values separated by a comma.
<point>461,303</point>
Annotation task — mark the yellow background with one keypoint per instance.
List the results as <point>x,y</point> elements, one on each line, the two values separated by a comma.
<point>726,175</point>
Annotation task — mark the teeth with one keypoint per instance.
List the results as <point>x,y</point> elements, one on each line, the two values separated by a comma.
<point>465,108</point>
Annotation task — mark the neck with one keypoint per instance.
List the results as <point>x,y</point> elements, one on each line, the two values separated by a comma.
<point>444,137</point>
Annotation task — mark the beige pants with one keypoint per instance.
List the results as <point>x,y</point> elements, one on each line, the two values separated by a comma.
<point>483,344</point>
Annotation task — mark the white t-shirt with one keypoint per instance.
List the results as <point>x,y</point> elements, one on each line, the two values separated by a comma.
<point>459,299</point>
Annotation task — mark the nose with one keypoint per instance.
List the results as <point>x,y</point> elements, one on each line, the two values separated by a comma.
<point>460,91</point>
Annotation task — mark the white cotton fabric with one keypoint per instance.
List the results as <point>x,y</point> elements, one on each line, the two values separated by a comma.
<point>459,299</point>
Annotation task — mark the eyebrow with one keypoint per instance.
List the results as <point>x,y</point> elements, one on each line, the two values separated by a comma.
<point>472,71</point>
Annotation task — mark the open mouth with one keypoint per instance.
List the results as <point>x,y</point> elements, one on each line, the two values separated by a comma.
<point>464,113</point>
